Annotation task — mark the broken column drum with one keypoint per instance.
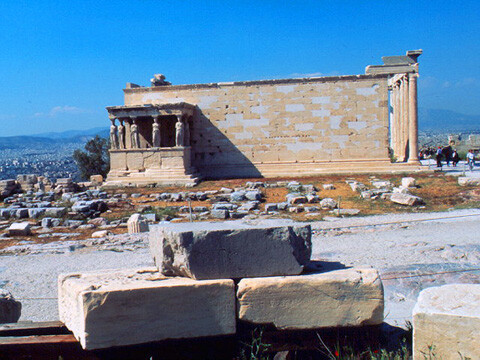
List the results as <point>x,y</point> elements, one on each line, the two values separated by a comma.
<point>216,250</point>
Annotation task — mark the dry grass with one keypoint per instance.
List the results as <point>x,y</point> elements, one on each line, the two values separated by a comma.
<point>439,192</point>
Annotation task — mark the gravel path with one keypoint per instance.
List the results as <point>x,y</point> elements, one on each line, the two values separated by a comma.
<point>401,246</point>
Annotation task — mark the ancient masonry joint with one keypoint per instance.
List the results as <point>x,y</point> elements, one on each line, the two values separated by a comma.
<point>177,134</point>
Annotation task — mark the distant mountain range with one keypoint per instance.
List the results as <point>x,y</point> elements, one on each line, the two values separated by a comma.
<point>74,134</point>
<point>447,121</point>
<point>51,138</point>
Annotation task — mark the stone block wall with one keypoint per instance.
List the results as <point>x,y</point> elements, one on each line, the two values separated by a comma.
<point>272,126</point>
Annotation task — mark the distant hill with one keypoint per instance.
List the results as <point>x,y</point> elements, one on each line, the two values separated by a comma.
<point>52,138</point>
<point>73,134</point>
<point>447,121</point>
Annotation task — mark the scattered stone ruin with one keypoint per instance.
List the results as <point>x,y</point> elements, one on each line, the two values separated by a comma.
<point>177,134</point>
<point>192,292</point>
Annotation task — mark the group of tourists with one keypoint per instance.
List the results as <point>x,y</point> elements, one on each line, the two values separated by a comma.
<point>447,154</point>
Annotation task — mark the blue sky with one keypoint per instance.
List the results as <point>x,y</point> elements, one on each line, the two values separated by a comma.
<point>62,62</point>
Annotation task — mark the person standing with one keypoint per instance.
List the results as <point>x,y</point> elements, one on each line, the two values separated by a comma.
<point>470,159</point>
<point>439,157</point>
<point>455,158</point>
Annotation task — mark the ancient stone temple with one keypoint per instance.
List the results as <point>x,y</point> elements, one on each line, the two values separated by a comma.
<point>177,134</point>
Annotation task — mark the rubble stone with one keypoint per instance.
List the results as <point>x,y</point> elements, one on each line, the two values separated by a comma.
<point>328,203</point>
<point>349,297</point>
<point>126,307</point>
<point>468,181</point>
<point>408,182</point>
<point>10,309</point>
<point>137,224</point>
<point>19,229</point>
<point>406,199</point>
<point>235,249</point>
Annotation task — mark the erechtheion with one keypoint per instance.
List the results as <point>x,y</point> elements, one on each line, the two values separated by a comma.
<point>176,134</point>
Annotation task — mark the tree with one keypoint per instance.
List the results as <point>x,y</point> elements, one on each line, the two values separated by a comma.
<point>95,160</point>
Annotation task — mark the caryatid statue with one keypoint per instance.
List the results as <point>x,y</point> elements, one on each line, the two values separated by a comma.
<point>134,137</point>
<point>156,132</point>
<point>113,135</point>
<point>179,133</point>
<point>121,135</point>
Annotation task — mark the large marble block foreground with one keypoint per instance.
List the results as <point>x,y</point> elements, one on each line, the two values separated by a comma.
<point>125,307</point>
<point>349,297</point>
<point>446,319</point>
<point>234,249</point>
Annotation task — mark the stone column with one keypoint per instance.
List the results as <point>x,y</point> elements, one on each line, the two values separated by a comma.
<point>413,119</point>
<point>405,117</point>
<point>398,121</point>
<point>113,134</point>
<point>401,134</point>
<point>156,136</point>
<point>179,132</point>
<point>393,129</point>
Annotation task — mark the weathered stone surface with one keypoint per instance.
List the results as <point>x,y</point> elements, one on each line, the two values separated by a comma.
<point>406,199</point>
<point>328,187</point>
<point>96,180</point>
<point>296,198</point>
<point>231,249</point>
<point>328,203</point>
<point>125,307</point>
<point>137,224</point>
<point>408,182</point>
<point>468,181</point>
<point>19,229</point>
<point>220,214</point>
<point>448,318</point>
<point>349,297</point>
<point>100,233</point>
<point>10,309</point>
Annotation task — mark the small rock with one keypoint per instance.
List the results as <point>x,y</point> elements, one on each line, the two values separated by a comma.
<point>408,182</point>
<point>220,213</point>
<point>328,187</point>
<point>101,234</point>
<point>10,309</point>
<point>328,203</point>
<point>19,229</point>
<point>406,199</point>
<point>253,195</point>
<point>271,207</point>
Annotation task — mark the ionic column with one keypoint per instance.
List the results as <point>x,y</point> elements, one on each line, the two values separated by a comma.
<point>156,136</point>
<point>398,121</point>
<point>401,148</point>
<point>413,119</point>
<point>394,131</point>
<point>405,117</point>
